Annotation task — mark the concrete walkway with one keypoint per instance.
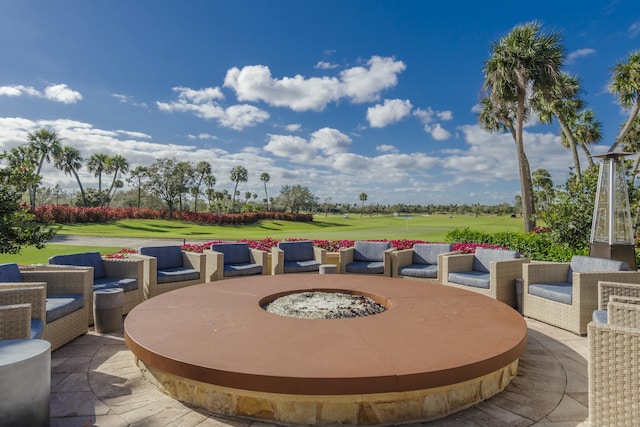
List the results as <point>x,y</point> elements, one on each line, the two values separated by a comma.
<point>95,382</point>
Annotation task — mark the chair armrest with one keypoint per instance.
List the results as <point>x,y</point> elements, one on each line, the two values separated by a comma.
<point>585,285</point>
<point>130,268</point>
<point>15,321</point>
<point>388,260</point>
<point>456,263</point>
<point>400,259</point>
<point>215,265</point>
<point>509,269</point>
<point>195,260</point>
<point>149,269</point>
<point>34,294</point>
<point>345,256</point>
<point>320,255</point>
<point>277,260</point>
<point>70,280</point>
<point>544,272</point>
<point>606,289</point>
<point>258,256</point>
<point>623,314</point>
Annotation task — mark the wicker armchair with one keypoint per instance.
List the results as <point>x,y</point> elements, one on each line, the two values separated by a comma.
<point>565,295</point>
<point>167,268</point>
<point>420,262</point>
<point>614,367</point>
<point>608,291</point>
<point>65,287</point>
<point>233,260</point>
<point>367,258</point>
<point>297,257</point>
<point>109,273</point>
<point>490,272</point>
<point>22,311</point>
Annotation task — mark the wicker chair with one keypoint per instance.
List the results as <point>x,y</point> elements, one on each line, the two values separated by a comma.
<point>421,262</point>
<point>367,258</point>
<point>233,260</point>
<point>614,367</point>
<point>297,257</point>
<point>66,301</point>
<point>608,291</point>
<point>109,273</point>
<point>167,268</point>
<point>565,295</point>
<point>22,311</point>
<point>490,272</point>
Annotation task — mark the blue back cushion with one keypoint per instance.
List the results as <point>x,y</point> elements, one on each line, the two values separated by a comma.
<point>234,253</point>
<point>10,272</point>
<point>370,251</point>
<point>427,253</point>
<point>297,251</point>
<point>84,259</point>
<point>484,256</point>
<point>585,264</point>
<point>168,256</point>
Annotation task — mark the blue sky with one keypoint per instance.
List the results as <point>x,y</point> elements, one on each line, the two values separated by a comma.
<point>341,96</point>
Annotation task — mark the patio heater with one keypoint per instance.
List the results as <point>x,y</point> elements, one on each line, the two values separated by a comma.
<point>612,235</point>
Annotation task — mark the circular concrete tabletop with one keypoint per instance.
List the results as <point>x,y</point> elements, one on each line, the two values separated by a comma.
<point>430,336</point>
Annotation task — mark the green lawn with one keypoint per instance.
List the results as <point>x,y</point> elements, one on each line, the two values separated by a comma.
<point>334,227</point>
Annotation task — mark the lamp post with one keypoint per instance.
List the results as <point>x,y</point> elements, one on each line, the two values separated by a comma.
<point>612,235</point>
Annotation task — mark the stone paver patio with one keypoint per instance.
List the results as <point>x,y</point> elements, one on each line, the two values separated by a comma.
<point>95,382</point>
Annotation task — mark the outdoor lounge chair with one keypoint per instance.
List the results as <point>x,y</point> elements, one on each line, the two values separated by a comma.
<point>367,258</point>
<point>420,262</point>
<point>167,268</point>
<point>109,273</point>
<point>66,299</point>
<point>491,272</point>
<point>613,291</point>
<point>234,259</point>
<point>614,368</point>
<point>22,311</point>
<point>565,294</point>
<point>297,257</point>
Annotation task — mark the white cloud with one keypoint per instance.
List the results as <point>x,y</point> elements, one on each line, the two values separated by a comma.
<point>203,104</point>
<point>392,111</point>
<point>202,136</point>
<point>293,147</point>
<point>359,84</point>
<point>323,142</point>
<point>58,93</point>
<point>634,29</point>
<point>125,99</point>
<point>429,115</point>
<point>323,65</point>
<point>293,127</point>
<point>580,53</point>
<point>438,132</point>
<point>386,148</point>
<point>139,135</point>
<point>330,141</point>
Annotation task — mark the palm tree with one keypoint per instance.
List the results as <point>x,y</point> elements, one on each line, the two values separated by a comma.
<point>631,143</point>
<point>626,84</point>
<point>97,165</point>
<point>524,62</point>
<point>70,162</point>
<point>363,198</point>
<point>264,177</point>
<point>116,165</point>
<point>541,178</point>
<point>562,102</point>
<point>586,129</point>
<point>209,181</point>
<point>201,171</point>
<point>137,176</point>
<point>238,174</point>
<point>45,146</point>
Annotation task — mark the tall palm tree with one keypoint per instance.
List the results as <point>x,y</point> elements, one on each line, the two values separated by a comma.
<point>238,174</point>
<point>562,102</point>
<point>625,84</point>
<point>541,178</point>
<point>70,162</point>
<point>45,145</point>
<point>137,177</point>
<point>209,182</point>
<point>97,165</point>
<point>264,177</point>
<point>524,62</point>
<point>201,171</point>
<point>117,165</point>
<point>363,198</point>
<point>586,129</point>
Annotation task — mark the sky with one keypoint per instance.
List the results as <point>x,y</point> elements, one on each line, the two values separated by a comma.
<point>341,96</point>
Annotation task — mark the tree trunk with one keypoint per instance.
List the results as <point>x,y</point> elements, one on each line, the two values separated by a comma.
<point>526,186</point>
<point>572,145</point>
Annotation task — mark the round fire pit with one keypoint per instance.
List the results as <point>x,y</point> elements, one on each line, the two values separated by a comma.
<point>434,351</point>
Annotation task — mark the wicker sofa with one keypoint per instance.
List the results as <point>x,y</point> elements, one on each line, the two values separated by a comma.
<point>490,272</point>
<point>108,273</point>
<point>614,367</point>
<point>565,295</point>
<point>233,260</point>
<point>420,262</point>
<point>367,258</point>
<point>297,257</point>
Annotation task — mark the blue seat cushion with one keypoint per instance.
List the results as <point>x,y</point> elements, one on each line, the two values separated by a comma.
<point>232,270</point>
<point>234,253</point>
<point>484,256</point>
<point>600,316</point>
<point>168,256</point>
<point>559,292</point>
<point>477,279</point>
<point>10,273</point>
<point>427,271</point>
<point>586,264</point>
<point>301,266</point>
<point>297,251</point>
<point>84,259</point>
<point>127,284</point>
<point>58,306</point>
<point>427,253</point>
<point>37,326</point>
<point>365,267</point>
<point>178,274</point>
<point>369,251</point>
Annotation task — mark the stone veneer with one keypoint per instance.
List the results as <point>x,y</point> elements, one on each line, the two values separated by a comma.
<point>362,409</point>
